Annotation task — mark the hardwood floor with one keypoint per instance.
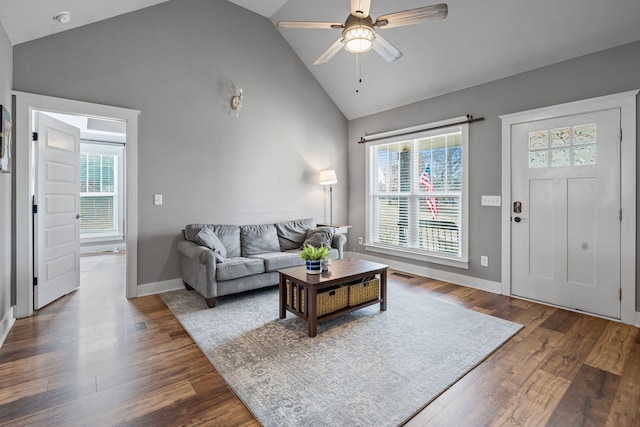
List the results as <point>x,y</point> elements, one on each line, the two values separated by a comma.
<point>95,358</point>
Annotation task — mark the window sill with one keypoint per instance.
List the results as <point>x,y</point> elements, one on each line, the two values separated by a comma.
<point>102,238</point>
<point>418,256</point>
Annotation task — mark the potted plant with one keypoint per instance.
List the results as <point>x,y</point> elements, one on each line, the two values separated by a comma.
<point>313,257</point>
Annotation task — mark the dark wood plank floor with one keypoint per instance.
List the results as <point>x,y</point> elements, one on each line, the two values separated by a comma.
<point>96,358</point>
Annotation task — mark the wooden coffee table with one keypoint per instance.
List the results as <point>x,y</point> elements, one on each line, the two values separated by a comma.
<point>342,272</point>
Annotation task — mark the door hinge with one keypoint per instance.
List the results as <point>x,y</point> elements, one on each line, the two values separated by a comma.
<point>34,209</point>
<point>620,214</point>
<point>620,135</point>
<point>620,293</point>
<point>34,136</point>
<point>35,282</point>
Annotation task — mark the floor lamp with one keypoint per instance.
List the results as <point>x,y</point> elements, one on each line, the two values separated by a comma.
<point>328,177</point>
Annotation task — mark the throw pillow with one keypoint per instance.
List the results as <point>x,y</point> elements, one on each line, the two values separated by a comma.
<point>206,237</point>
<point>291,234</point>
<point>320,236</point>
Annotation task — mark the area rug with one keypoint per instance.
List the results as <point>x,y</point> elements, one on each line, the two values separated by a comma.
<point>368,368</point>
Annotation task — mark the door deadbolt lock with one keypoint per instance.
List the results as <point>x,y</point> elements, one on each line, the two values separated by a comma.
<point>517,207</point>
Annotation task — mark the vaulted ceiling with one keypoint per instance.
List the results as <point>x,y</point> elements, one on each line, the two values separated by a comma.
<point>479,41</point>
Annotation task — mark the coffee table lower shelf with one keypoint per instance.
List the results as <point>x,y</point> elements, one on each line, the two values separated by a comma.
<point>303,303</point>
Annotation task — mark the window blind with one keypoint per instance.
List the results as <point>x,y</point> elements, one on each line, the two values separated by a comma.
<point>416,193</point>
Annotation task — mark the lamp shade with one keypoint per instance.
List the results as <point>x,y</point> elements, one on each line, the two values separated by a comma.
<point>328,177</point>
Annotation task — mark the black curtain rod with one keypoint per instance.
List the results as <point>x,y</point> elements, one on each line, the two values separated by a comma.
<point>470,119</point>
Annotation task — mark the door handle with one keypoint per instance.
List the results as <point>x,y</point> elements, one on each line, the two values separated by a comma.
<point>78,216</point>
<point>519,219</point>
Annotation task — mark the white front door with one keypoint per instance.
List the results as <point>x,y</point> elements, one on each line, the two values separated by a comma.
<point>565,228</point>
<point>57,224</point>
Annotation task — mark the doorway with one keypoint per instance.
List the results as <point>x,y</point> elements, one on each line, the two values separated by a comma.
<point>79,184</point>
<point>565,233</point>
<point>26,104</point>
<point>563,286</point>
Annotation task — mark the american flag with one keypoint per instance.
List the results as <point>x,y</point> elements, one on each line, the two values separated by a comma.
<point>432,202</point>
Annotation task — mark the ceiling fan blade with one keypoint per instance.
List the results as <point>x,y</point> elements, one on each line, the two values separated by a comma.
<point>360,8</point>
<point>331,52</point>
<point>385,49</point>
<point>413,16</point>
<point>310,24</point>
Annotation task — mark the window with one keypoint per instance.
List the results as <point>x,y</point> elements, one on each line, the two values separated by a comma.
<point>100,191</point>
<point>417,196</point>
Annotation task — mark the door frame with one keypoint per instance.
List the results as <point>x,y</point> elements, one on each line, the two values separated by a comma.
<point>626,102</point>
<point>26,103</point>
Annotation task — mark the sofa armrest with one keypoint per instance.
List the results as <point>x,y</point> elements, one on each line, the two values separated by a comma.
<point>338,243</point>
<point>195,251</point>
<point>198,265</point>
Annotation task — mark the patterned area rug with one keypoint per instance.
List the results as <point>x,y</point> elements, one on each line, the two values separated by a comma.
<point>368,368</point>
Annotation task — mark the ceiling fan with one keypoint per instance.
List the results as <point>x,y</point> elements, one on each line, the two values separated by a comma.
<point>358,33</point>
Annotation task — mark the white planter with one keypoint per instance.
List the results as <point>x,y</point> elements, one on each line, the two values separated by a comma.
<point>314,267</point>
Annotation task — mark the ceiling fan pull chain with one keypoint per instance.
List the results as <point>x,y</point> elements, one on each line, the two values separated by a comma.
<point>358,73</point>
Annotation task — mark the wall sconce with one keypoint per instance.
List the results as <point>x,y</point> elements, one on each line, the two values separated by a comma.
<point>236,101</point>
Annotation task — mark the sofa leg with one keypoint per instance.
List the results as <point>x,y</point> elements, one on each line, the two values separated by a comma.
<point>211,302</point>
<point>186,286</point>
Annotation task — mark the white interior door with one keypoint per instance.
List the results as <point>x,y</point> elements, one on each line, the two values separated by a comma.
<point>565,239</point>
<point>57,223</point>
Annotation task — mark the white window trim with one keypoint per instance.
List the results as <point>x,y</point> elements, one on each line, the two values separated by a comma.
<point>400,135</point>
<point>118,150</point>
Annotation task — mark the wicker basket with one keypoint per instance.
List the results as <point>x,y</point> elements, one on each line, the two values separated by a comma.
<point>332,300</point>
<point>362,292</point>
<point>295,297</point>
<point>327,301</point>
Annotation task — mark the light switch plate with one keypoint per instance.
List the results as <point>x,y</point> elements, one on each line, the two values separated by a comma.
<point>157,199</point>
<point>491,200</point>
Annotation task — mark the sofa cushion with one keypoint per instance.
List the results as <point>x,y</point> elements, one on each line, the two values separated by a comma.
<point>258,239</point>
<point>291,234</point>
<point>229,235</point>
<point>276,260</point>
<point>320,236</point>
<point>206,237</point>
<point>234,268</point>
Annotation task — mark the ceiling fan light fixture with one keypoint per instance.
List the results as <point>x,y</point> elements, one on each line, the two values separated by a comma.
<point>358,38</point>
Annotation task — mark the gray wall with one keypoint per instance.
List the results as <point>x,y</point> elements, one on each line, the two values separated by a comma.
<point>6,53</point>
<point>176,63</point>
<point>606,72</point>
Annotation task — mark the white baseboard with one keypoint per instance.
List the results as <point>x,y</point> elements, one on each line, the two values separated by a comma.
<point>6,324</point>
<point>159,287</point>
<point>455,278</point>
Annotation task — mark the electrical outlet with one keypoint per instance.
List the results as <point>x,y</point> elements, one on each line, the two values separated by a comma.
<point>484,261</point>
<point>491,200</point>
<point>359,240</point>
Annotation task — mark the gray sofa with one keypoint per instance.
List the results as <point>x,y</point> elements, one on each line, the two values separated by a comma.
<point>220,259</point>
